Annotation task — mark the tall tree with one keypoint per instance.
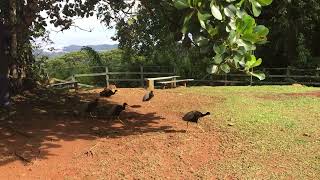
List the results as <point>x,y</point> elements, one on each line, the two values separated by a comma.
<point>223,29</point>
<point>294,31</point>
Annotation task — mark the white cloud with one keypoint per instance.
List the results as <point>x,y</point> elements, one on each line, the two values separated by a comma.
<point>100,34</point>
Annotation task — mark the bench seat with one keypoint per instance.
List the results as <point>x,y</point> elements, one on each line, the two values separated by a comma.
<point>150,81</point>
<point>174,82</point>
<point>179,80</point>
<point>65,84</point>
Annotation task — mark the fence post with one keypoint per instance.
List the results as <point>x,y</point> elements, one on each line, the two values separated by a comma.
<point>288,72</point>
<point>174,79</point>
<point>251,78</point>
<point>141,76</point>
<point>225,79</point>
<point>73,78</point>
<point>107,76</point>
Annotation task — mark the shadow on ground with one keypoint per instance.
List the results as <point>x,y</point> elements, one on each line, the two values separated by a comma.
<point>44,118</point>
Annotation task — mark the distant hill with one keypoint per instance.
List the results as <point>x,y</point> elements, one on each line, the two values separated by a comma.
<point>100,47</point>
<point>72,48</point>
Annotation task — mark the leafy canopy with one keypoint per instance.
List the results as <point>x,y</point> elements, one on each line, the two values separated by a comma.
<point>227,30</point>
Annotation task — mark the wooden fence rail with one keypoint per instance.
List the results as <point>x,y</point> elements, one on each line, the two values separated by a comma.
<point>274,76</point>
<point>142,74</point>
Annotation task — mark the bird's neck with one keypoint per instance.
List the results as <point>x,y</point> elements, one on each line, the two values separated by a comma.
<point>202,115</point>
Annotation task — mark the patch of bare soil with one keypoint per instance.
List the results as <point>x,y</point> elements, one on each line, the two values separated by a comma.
<point>290,95</point>
<point>311,94</point>
<point>46,139</point>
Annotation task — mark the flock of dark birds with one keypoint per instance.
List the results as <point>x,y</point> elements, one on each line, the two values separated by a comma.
<point>192,116</point>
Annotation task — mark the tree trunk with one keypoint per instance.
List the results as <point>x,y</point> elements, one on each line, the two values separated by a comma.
<point>13,24</point>
<point>4,46</point>
<point>4,59</point>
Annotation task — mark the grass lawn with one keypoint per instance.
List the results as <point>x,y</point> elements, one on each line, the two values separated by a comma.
<point>270,132</point>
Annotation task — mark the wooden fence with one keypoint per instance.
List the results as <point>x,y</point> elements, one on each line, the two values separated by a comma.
<point>142,75</point>
<point>274,76</point>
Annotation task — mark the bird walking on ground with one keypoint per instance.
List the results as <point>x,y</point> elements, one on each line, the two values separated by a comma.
<point>117,110</point>
<point>92,106</point>
<point>148,96</point>
<point>194,116</point>
<point>107,92</point>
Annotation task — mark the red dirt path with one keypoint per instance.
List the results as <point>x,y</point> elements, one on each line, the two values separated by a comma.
<point>153,144</point>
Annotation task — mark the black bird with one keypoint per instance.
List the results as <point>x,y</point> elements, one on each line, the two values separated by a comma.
<point>117,110</point>
<point>92,106</point>
<point>193,116</point>
<point>148,96</point>
<point>107,92</point>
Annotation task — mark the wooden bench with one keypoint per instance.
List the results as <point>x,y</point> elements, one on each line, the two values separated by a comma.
<point>174,82</point>
<point>150,81</point>
<point>73,84</point>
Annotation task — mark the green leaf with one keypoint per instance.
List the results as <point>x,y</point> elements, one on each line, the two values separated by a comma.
<point>256,8</point>
<point>203,18</point>
<point>131,21</point>
<point>239,4</point>
<point>232,24</point>
<point>253,38</point>
<point>230,10</point>
<point>264,2</point>
<point>212,30</point>
<point>201,41</point>
<point>186,22</point>
<point>232,38</point>
<point>212,69</point>
<point>247,45</point>
<point>253,62</point>
<point>260,75</point>
<point>257,63</point>
<point>215,10</point>
<point>219,49</point>
<point>225,68</point>
<point>196,3</point>
<point>261,30</point>
<point>181,4</point>
<point>245,24</point>
<point>238,60</point>
<point>217,59</point>
<point>240,13</point>
<point>250,61</point>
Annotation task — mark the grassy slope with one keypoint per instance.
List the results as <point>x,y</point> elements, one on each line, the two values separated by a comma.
<point>274,135</point>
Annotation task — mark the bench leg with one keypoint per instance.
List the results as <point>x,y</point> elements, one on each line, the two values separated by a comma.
<point>76,86</point>
<point>150,85</point>
<point>184,84</point>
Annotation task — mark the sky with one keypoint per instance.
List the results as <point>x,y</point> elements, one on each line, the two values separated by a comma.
<point>74,36</point>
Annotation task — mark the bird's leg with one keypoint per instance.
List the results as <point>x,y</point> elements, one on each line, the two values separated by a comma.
<point>200,127</point>
<point>187,126</point>
<point>120,120</point>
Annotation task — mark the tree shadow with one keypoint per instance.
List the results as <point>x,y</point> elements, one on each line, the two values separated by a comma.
<point>44,118</point>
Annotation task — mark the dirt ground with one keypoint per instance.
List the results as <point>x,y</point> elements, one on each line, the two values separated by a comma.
<point>45,139</point>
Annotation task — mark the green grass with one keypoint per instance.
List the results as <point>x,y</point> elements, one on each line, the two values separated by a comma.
<point>275,135</point>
